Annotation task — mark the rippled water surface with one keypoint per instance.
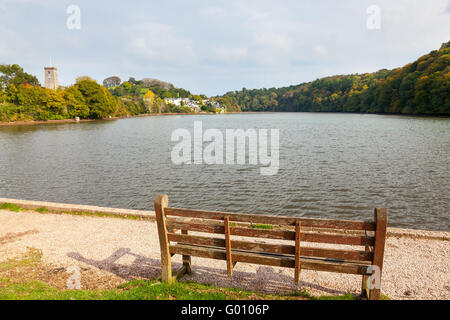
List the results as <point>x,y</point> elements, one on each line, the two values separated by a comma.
<point>331,165</point>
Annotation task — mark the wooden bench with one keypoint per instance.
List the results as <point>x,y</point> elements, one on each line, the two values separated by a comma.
<point>363,242</point>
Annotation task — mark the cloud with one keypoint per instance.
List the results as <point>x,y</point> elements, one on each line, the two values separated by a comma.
<point>273,40</point>
<point>158,44</point>
<point>213,12</point>
<point>321,51</point>
<point>229,55</point>
<point>12,45</point>
<point>217,47</point>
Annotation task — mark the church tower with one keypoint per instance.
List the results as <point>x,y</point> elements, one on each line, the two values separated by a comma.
<point>51,78</point>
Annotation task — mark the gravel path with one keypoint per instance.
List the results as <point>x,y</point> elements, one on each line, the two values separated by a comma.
<point>120,250</point>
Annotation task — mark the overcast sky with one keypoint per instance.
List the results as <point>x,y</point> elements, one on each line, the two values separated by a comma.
<point>212,47</point>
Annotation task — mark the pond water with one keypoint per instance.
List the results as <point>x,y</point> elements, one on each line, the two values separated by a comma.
<point>330,166</point>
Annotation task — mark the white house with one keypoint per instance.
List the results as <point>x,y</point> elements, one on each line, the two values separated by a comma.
<point>177,101</point>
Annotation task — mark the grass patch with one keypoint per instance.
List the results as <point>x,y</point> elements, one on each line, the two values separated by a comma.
<point>253,225</point>
<point>96,214</point>
<point>14,287</point>
<point>32,257</point>
<point>308,296</point>
<point>146,290</point>
<point>134,290</point>
<point>348,296</point>
<point>262,226</point>
<point>10,207</point>
<point>15,208</point>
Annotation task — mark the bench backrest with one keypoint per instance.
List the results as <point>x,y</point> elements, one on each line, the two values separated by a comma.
<point>362,241</point>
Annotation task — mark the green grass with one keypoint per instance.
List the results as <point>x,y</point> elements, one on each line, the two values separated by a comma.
<point>262,226</point>
<point>134,290</point>
<point>142,290</point>
<point>15,208</point>
<point>255,226</point>
<point>146,290</point>
<point>18,289</point>
<point>10,207</point>
<point>95,214</point>
<point>306,295</point>
<point>32,257</point>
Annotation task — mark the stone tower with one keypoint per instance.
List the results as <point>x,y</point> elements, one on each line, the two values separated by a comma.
<point>51,78</point>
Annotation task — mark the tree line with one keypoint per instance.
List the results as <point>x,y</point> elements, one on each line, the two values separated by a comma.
<point>420,87</point>
<point>22,98</point>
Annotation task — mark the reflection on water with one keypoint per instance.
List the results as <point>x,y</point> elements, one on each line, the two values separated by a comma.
<point>331,165</point>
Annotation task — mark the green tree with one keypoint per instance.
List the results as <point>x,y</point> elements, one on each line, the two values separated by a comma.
<point>14,74</point>
<point>100,101</point>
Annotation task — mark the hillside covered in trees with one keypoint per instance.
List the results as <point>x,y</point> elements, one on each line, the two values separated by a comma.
<point>150,94</point>
<point>22,99</point>
<point>420,87</point>
<point>147,94</point>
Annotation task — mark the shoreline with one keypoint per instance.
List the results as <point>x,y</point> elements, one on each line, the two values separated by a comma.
<point>34,122</point>
<point>149,215</point>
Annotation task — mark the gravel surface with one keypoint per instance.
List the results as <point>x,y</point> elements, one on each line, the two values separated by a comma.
<point>120,250</point>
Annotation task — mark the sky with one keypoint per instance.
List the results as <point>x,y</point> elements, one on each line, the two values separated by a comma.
<point>212,47</point>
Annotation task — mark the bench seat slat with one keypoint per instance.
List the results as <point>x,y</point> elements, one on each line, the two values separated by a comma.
<point>271,259</point>
<point>269,219</point>
<point>274,234</point>
<point>357,255</point>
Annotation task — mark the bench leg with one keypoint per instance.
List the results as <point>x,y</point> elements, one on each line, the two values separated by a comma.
<point>166,264</point>
<point>378,250</point>
<point>187,259</point>
<point>166,274</point>
<point>370,291</point>
<point>187,264</point>
<point>364,291</point>
<point>179,273</point>
<point>374,294</point>
<point>298,266</point>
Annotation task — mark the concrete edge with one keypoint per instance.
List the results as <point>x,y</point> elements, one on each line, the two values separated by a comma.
<point>67,208</point>
<point>150,215</point>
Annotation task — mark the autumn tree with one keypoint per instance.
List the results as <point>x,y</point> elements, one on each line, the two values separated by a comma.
<point>110,82</point>
<point>14,74</point>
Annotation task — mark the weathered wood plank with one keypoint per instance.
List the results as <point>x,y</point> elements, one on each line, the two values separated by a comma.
<point>271,260</point>
<point>274,248</point>
<point>186,259</point>
<point>270,219</point>
<point>161,202</point>
<point>337,239</point>
<point>191,239</point>
<point>364,290</point>
<point>297,253</point>
<point>378,254</point>
<point>352,255</point>
<point>275,234</point>
<point>226,223</point>
<point>199,227</point>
